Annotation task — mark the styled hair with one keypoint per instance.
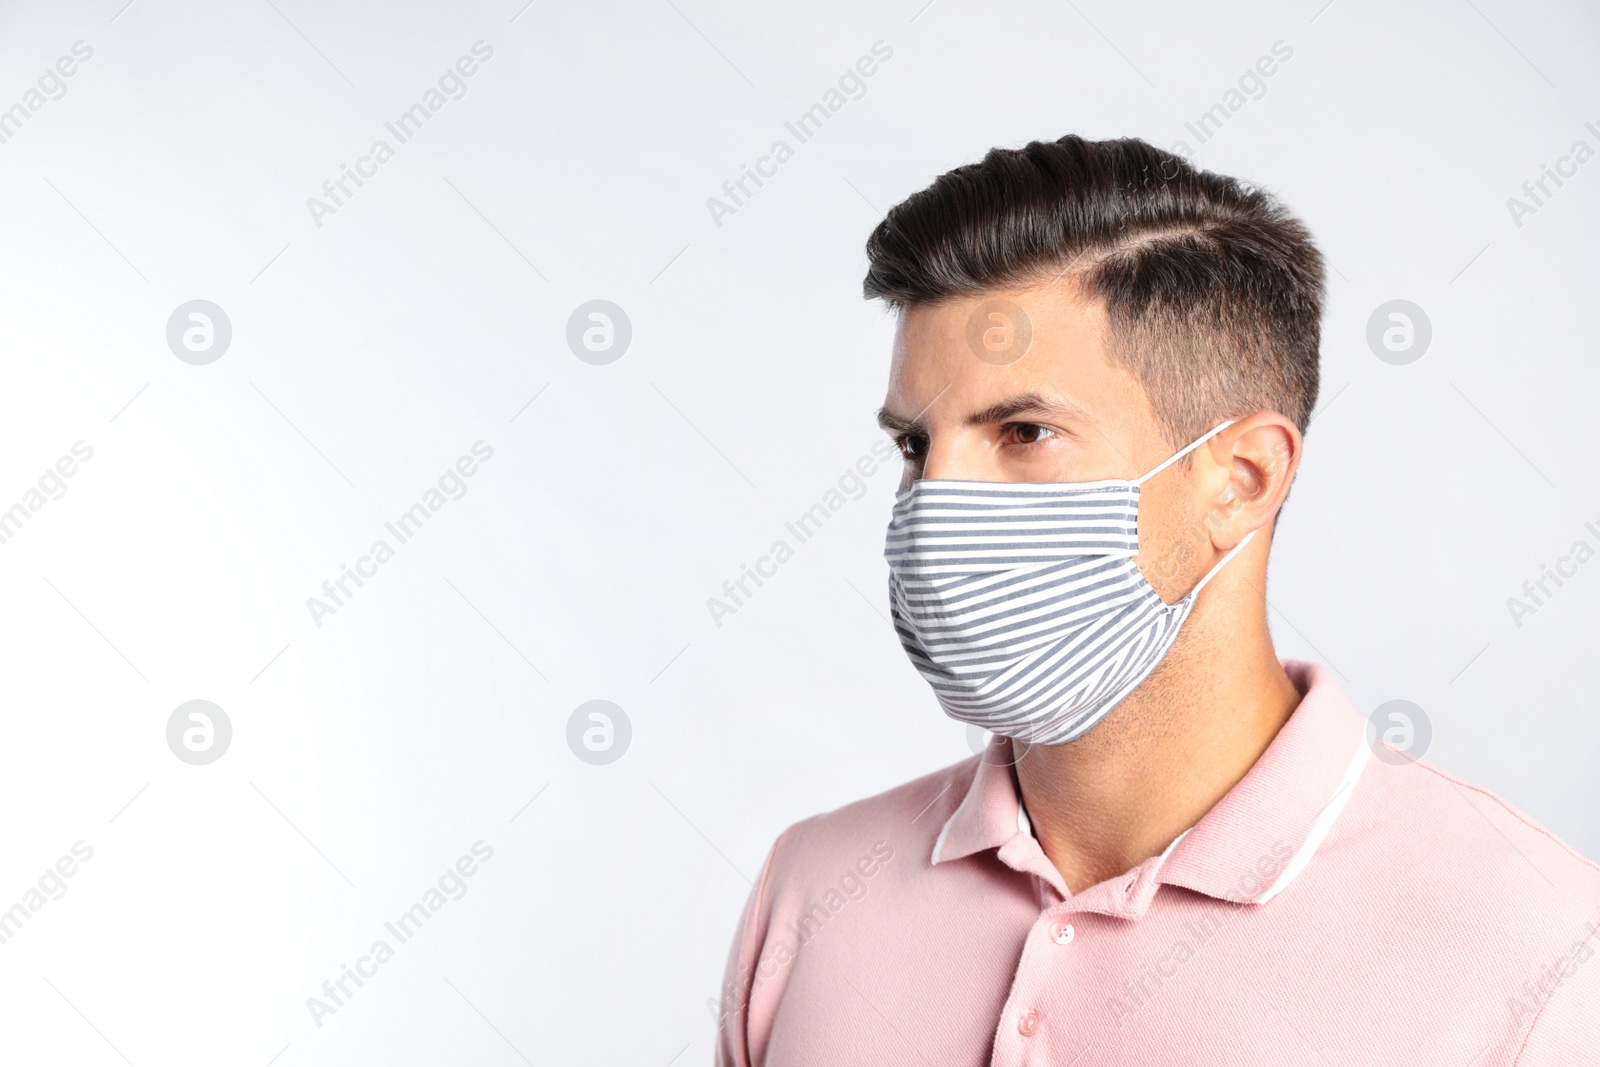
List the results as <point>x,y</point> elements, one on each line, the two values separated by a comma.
<point>1212,289</point>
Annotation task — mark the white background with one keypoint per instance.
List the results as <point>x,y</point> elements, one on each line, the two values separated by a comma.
<point>369,353</point>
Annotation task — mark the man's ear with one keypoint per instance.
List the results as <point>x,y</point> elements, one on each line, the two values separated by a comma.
<point>1261,454</point>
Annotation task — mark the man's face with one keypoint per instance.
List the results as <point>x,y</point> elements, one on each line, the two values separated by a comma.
<point>1063,412</point>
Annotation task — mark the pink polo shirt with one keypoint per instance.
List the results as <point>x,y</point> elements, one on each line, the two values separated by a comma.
<point>1333,908</point>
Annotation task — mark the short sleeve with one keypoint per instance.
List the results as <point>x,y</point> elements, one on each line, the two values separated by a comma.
<point>738,978</point>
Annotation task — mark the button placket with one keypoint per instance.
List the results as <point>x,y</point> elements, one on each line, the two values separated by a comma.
<point>1062,933</point>
<point>1039,957</point>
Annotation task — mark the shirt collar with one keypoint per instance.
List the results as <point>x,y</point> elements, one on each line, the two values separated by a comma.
<point>1248,848</point>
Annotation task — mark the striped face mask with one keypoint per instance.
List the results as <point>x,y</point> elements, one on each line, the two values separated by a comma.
<point>1021,604</point>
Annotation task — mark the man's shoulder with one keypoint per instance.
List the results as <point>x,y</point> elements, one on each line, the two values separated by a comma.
<point>904,821</point>
<point>1470,883</point>
<point>1448,831</point>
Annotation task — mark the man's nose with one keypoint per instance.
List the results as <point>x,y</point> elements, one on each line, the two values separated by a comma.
<point>962,458</point>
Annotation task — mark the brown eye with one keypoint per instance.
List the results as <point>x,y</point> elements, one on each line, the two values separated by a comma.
<point>912,446</point>
<point>1030,433</point>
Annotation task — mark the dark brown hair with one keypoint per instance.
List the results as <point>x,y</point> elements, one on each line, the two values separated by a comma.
<point>1213,290</point>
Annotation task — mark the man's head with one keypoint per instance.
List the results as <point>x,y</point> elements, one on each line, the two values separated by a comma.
<point>1080,310</point>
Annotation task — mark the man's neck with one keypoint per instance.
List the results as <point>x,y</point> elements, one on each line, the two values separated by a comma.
<point>1105,803</point>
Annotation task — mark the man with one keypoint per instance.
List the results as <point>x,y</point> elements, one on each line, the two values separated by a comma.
<point>1177,849</point>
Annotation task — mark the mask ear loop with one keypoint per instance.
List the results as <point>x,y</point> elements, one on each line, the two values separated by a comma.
<point>1170,460</point>
<point>1195,592</point>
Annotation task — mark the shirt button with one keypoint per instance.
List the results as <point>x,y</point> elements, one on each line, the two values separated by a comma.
<point>1062,933</point>
<point>1028,1025</point>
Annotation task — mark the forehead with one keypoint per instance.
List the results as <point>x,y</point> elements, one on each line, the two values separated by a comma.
<point>979,349</point>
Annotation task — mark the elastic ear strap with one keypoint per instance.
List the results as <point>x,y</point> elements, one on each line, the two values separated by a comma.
<point>1221,563</point>
<point>1170,460</point>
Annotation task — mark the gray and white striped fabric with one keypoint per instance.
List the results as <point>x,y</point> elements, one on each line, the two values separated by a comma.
<point>1021,604</point>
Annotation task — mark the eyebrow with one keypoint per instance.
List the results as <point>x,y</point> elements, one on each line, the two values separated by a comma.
<point>1022,404</point>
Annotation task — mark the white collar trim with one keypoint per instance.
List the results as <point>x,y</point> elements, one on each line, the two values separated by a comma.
<point>1323,824</point>
<point>1301,859</point>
